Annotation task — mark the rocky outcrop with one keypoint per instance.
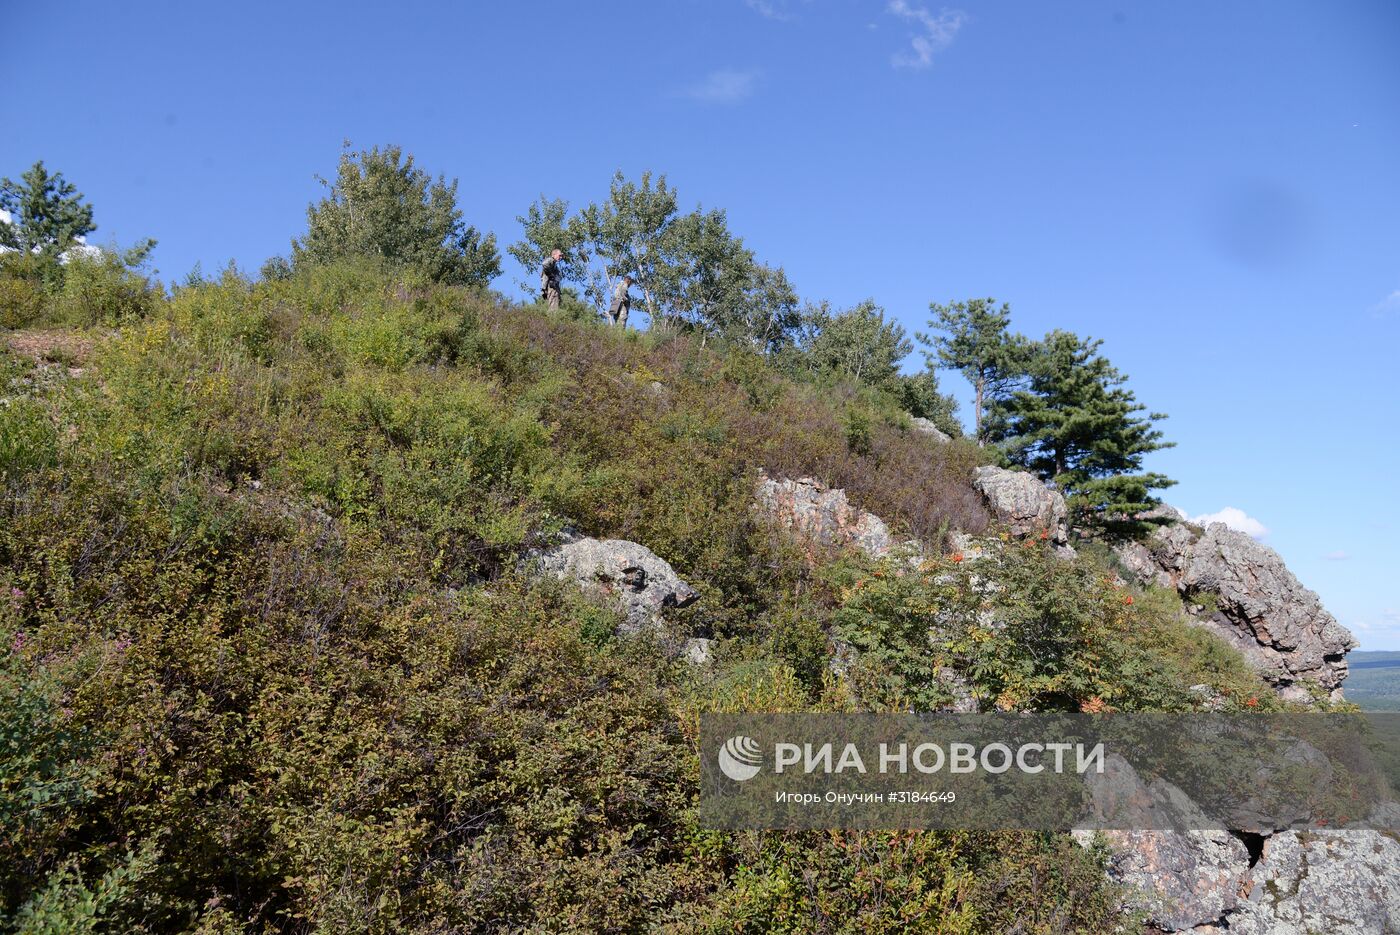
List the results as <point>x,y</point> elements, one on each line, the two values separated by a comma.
<point>1289,883</point>
<point>1242,590</point>
<point>1261,883</point>
<point>924,427</point>
<point>822,515</point>
<point>640,582</point>
<point>1339,882</point>
<point>1023,503</point>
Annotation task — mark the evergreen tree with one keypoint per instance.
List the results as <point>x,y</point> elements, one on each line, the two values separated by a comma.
<point>975,341</point>
<point>381,205</point>
<point>47,213</point>
<point>1077,425</point>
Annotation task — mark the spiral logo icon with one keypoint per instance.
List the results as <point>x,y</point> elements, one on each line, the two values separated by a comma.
<point>740,758</point>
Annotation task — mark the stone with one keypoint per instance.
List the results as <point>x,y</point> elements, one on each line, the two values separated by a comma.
<point>822,515</point>
<point>641,583</point>
<point>1023,503</point>
<point>924,427</point>
<point>1280,626</point>
<point>1339,882</point>
<point>1182,878</point>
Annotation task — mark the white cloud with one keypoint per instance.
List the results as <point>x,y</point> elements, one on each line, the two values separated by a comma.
<point>1390,305</point>
<point>724,86</point>
<point>771,9</point>
<point>1337,556</point>
<point>4,216</point>
<point>935,33</point>
<point>1236,519</point>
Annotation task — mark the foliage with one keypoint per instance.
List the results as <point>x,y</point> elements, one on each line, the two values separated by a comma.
<point>47,212</point>
<point>273,665</point>
<point>1077,425</point>
<point>383,206</point>
<point>976,343</point>
<point>857,343</point>
<point>692,271</point>
<point>1031,632</point>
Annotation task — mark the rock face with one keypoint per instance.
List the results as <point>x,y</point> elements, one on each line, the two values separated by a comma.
<point>1023,503</point>
<point>1264,883</point>
<point>925,427</point>
<point>1292,883</point>
<point>1339,882</point>
<point>822,515</point>
<point>1260,607</point>
<point>640,581</point>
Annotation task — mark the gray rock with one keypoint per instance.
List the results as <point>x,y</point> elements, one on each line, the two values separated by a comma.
<point>1338,882</point>
<point>1023,503</point>
<point>1280,626</point>
<point>925,427</point>
<point>822,515</point>
<point>640,582</point>
<point>1183,878</point>
<point>698,651</point>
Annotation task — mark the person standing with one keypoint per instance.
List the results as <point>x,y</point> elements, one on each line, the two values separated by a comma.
<point>621,303</point>
<point>550,279</point>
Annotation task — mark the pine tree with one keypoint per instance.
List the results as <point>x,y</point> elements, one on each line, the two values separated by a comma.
<point>1077,425</point>
<point>976,343</point>
<point>381,205</point>
<point>47,213</point>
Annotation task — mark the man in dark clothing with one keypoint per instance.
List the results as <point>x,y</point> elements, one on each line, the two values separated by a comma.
<point>550,277</point>
<point>621,303</point>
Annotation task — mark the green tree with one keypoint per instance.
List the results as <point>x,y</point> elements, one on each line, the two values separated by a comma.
<point>381,205</point>
<point>691,270</point>
<point>975,341</point>
<point>1076,424</point>
<point>47,213</point>
<point>857,343</point>
<point>919,395</point>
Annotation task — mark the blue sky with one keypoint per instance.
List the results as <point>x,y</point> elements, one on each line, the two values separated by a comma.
<point>1209,187</point>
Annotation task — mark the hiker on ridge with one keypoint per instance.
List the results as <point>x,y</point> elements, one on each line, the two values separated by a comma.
<point>621,303</point>
<point>550,277</point>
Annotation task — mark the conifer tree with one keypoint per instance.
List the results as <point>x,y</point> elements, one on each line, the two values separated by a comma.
<point>1075,423</point>
<point>382,205</point>
<point>47,213</point>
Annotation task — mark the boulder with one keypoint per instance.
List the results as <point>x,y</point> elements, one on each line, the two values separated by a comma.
<point>1023,503</point>
<point>640,582</point>
<point>1280,626</point>
<point>822,515</point>
<point>924,427</point>
<point>1182,878</point>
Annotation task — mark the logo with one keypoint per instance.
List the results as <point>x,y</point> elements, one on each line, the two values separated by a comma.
<point>740,758</point>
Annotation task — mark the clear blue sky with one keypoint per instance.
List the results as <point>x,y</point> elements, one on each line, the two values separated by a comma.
<point>1210,187</point>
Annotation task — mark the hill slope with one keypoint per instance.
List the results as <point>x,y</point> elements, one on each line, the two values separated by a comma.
<point>263,575</point>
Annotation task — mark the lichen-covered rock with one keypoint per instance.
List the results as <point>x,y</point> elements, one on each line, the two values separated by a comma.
<point>822,515</point>
<point>1182,878</point>
<point>925,427</point>
<point>1338,882</point>
<point>1280,626</point>
<point>634,576</point>
<point>1023,503</point>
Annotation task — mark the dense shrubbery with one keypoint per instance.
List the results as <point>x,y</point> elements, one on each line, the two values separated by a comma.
<point>269,664</point>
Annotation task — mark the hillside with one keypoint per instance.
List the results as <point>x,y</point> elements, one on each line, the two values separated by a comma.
<point>282,657</point>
